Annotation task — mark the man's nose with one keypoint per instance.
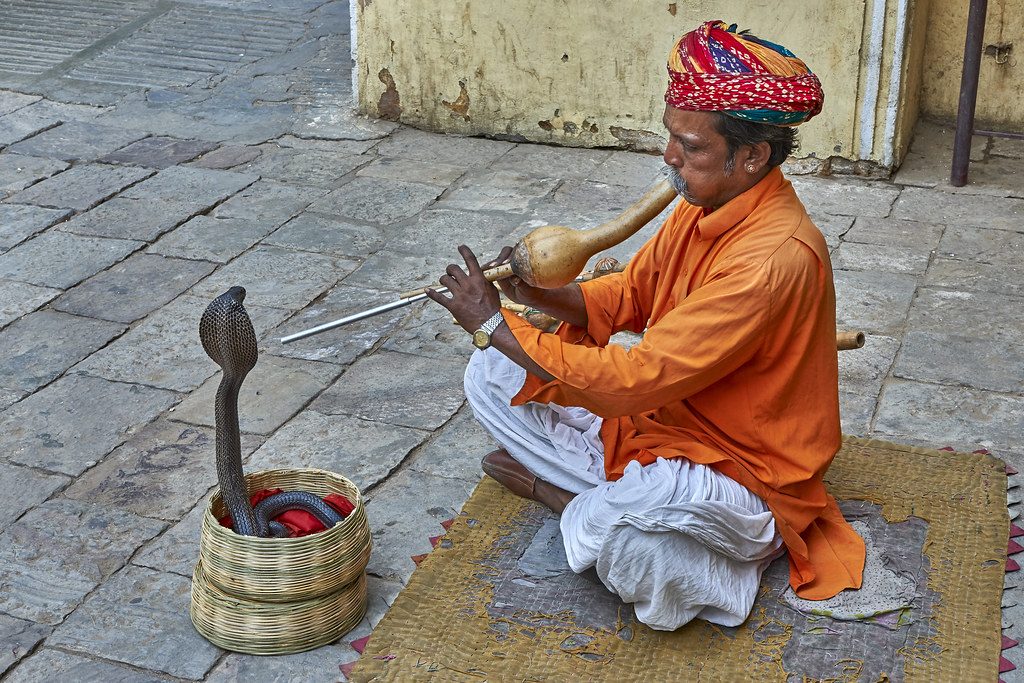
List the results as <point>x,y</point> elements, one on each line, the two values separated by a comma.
<point>672,156</point>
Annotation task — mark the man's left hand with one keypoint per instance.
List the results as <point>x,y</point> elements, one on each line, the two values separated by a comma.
<point>473,299</point>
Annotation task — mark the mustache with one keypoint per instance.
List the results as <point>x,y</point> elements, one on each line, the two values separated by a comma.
<point>677,183</point>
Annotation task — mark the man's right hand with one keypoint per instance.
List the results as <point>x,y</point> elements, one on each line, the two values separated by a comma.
<point>513,287</point>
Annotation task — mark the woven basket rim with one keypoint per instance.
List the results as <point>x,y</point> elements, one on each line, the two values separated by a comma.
<point>339,528</point>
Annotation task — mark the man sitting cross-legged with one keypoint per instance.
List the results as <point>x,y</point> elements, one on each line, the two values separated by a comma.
<point>683,465</point>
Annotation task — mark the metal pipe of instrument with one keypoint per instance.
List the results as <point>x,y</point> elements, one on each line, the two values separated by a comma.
<point>362,315</point>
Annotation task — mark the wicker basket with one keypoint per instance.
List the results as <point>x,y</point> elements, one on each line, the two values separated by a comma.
<point>267,628</point>
<point>272,596</point>
<point>287,569</point>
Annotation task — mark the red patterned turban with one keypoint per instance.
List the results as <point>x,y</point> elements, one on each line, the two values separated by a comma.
<point>716,68</point>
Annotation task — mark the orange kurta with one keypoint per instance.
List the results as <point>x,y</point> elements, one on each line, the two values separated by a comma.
<point>737,368</point>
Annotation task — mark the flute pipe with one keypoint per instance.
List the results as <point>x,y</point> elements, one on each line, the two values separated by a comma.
<point>491,274</point>
<point>355,317</point>
<point>848,340</point>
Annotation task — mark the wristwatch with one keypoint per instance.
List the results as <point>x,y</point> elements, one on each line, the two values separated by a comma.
<point>482,337</point>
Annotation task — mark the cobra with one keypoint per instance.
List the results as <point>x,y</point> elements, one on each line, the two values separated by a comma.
<point>229,339</point>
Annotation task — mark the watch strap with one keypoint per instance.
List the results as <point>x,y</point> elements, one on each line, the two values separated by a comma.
<point>491,324</point>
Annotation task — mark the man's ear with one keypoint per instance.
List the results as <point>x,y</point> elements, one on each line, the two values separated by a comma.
<point>755,157</point>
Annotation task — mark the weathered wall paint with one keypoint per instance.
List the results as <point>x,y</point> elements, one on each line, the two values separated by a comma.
<point>584,73</point>
<point>1001,86</point>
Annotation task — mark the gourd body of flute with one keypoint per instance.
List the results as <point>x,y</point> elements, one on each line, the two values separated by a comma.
<point>553,255</point>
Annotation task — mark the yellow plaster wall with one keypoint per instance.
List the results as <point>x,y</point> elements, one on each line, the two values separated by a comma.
<point>1001,86</point>
<point>585,73</point>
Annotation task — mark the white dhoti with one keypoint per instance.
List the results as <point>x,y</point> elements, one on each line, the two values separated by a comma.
<point>675,538</point>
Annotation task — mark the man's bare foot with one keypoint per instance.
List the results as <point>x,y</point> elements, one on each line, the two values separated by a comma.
<point>508,472</point>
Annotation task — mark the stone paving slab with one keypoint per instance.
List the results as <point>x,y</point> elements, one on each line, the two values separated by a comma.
<point>273,392</point>
<point>159,473</point>
<point>1007,147</point>
<point>12,101</point>
<point>334,123</point>
<point>861,375</point>
<point>887,259</point>
<point>833,227</point>
<point>404,513</point>
<point>923,238</point>
<point>177,549</point>
<point>845,197</point>
<point>202,187</point>
<point>39,347</point>
<point>339,147</point>
<point>412,171</point>
<point>999,247</point>
<point>133,288</point>
<point>164,349</point>
<point>277,277</point>
<point>398,389</point>
<point>24,123</point>
<point>134,219</point>
<point>341,345</point>
<point>19,298</point>
<point>976,277</point>
<point>19,638</point>
<point>365,452</point>
<point>60,259</point>
<point>71,424</point>
<point>441,231</point>
<point>377,200</point>
<point>499,191</point>
<point>227,156</point>
<point>544,161</point>
<point>964,418</point>
<point>429,331</point>
<point>948,208</point>
<point>77,141</point>
<point>140,617</point>
<point>18,171</point>
<point>9,397</point>
<point>410,143</point>
<point>456,449</point>
<point>269,201</point>
<point>315,666</point>
<point>212,239</point>
<point>873,301</point>
<point>50,664</point>
<point>30,487</point>
<point>973,339</point>
<point>80,187</point>
<point>997,177</point>
<point>18,223</point>
<point>58,552</point>
<point>326,234</point>
<point>159,152</point>
<point>629,169</point>
<point>304,166</point>
<point>397,271</point>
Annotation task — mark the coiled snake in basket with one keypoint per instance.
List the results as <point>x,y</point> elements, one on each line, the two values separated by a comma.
<point>229,339</point>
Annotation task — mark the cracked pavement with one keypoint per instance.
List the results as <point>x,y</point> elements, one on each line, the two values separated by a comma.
<point>153,154</point>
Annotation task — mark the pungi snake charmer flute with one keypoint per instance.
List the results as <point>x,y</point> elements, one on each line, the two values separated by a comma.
<point>553,256</point>
<point>550,256</point>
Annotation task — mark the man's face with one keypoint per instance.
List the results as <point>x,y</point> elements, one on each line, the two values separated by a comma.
<point>699,153</point>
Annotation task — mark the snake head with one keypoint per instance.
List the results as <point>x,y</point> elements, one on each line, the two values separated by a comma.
<point>227,333</point>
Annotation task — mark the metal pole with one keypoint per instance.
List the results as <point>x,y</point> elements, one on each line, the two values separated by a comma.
<point>968,92</point>
<point>352,318</point>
